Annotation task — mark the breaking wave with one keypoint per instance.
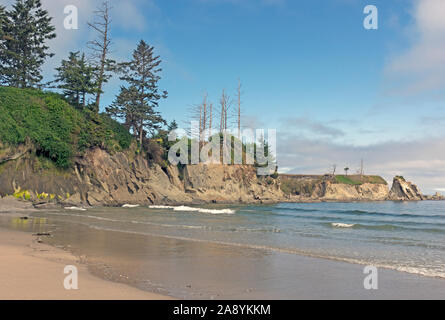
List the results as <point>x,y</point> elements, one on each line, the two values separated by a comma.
<point>342,225</point>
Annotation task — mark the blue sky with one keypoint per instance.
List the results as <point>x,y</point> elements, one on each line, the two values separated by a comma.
<point>335,91</point>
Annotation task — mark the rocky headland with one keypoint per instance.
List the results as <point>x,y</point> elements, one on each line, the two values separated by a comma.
<point>99,178</point>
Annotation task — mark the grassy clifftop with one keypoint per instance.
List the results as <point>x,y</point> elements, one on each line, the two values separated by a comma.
<point>306,184</point>
<point>56,129</point>
<point>359,179</point>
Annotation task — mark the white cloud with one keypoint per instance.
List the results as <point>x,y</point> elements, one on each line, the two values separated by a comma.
<point>420,69</point>
<point>128,15</point>
<point>313,127</point>
<point>422,161</point>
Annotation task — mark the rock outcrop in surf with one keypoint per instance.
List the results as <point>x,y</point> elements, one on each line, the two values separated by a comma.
<point>403,190</point>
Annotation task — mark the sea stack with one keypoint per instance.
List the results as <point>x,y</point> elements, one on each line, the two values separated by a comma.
<point>403,190</point>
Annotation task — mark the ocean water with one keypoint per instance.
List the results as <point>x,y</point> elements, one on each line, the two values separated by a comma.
<point>402,236</point>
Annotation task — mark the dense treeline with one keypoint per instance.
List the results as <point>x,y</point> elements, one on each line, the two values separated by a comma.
<point>75,122</point>
<point>58,130</point>
<point>80,78</point>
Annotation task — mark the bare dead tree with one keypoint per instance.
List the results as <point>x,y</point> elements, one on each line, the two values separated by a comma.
<point>204,117</point>
<point>195,116</point>
<point>199,114</point>
<point>210,119</point>
<point>221,126</point>
<point>101,47</point>
<point>225,108</point>
<point>200,124</point>
<point>239,108</point>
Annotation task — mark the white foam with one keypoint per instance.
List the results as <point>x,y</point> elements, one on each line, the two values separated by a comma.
<point>192,209</point>
<point>185,208</point>
<point>214,211</point>
<point>161,207</point>
<point>342,225</point>
<point>75,208</point>
<point>130,206</point>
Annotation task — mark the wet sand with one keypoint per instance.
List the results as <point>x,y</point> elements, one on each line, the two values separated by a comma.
<point>122,265</point>
<point>34,271</point>
<point>203,270</point>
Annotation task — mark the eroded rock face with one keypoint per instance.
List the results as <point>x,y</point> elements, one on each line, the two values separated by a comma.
<point>118,179</point>
<point>99,178</point>
<point>328,191</point>
<point>403,190</point>
<point>235,183</point>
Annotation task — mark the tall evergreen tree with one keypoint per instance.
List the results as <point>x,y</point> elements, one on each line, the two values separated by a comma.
<point>3,21</point>
<point>75,76</point>
<point>27,29</point>
<point>137,103</point>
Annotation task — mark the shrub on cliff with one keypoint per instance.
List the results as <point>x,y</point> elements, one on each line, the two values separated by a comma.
<point>58,130</point>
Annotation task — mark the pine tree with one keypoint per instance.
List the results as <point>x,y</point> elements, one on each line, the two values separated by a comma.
<point>137,103</point>
<point>3,21</point>
<point>172,126</point>
<point>124,107</point>
<point>75,76</point>
<point>28,27</point>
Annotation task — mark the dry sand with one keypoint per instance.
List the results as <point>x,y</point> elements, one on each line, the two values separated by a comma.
<point>35,271</point>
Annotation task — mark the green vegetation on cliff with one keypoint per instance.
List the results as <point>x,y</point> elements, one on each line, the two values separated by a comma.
<point>56,129</point>
<point>306,184</point>
<point>359,179</point>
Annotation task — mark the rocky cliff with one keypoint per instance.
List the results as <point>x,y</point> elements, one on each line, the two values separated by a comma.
<point>99,178</point>
<point>403,190</point>
<point>334,188</point>
<point>329,191</point>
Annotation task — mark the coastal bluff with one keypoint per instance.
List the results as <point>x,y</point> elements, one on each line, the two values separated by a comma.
<point>99,178</point>
<point>53,153</point>
<point>350,188</point>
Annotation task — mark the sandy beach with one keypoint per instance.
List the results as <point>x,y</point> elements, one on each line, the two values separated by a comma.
<point>34,271</point>
<point>130,254</point>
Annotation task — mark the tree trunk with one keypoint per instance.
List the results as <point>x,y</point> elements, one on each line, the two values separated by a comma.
<point>210,122</point>
<point>141,133</point>
<point>239,109</point>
